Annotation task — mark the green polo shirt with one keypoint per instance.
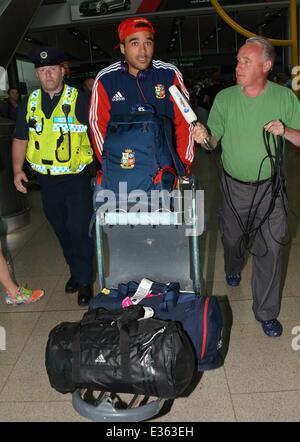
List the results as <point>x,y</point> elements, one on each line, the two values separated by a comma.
<point>238,121</point>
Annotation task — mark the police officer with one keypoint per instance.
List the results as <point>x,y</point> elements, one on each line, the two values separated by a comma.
<point>51,132</point>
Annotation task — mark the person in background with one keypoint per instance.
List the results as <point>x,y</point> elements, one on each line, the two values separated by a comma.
<point>87,85</point>
<point>52,133</point>
<point>215,86</point>
<point>201,102</point>
<point>14,294</point>
<point>253,198</point>
<point>9,107</point>
<point>283,79</point>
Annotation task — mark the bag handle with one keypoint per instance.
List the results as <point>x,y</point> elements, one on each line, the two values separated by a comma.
<point>107,316</point>
<point>126,321</point>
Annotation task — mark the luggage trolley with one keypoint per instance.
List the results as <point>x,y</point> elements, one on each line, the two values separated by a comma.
<point>135,245</point>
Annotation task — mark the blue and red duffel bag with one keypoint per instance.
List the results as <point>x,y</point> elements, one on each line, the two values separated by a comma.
<point>200,316</point>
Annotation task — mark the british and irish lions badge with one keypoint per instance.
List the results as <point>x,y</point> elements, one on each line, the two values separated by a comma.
<point>160,91</point>
<point>128,159</point>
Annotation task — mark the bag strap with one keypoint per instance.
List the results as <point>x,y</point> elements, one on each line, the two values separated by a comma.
<point>107,316</point>
<point>124,342</point>
<point>170,301</point>
<point>76,351</point>
<point>126,330</point>
<point>179,166</point>
<point>127,322</point>
<point>157,288</point>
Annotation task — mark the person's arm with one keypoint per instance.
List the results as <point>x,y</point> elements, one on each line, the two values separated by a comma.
<point>183,130</point>
<point>200,134</point>
<point>292,135</point>
<point>99,116</point>
<point>276,127</point>
<point>18,158</point>
<point>19,146</point>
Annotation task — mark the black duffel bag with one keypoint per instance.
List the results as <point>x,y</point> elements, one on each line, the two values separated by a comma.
<point>118,351</point>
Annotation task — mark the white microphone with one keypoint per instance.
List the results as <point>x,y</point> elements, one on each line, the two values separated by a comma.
<point>186,110</point>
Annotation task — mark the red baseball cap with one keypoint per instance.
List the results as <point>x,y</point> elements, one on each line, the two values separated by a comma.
<point>133,25</point>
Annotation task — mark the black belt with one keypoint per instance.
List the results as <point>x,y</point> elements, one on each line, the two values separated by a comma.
<point>247,183</point>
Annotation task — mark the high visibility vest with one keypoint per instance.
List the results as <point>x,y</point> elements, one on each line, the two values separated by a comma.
<point>59,144</point>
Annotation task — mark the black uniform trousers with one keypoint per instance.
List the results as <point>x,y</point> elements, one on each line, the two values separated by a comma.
<point>67,203</point>
<point>267,246</point>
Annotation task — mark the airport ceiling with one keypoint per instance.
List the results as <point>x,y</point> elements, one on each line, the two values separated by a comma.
<point>199,33</point>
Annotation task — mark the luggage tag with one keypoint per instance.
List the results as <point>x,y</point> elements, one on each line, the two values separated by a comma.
<point>142,291</point>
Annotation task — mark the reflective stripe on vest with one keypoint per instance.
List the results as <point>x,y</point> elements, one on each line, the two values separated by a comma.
<point>55,170</point>
<point>67,99</point>
<point>56,127</point>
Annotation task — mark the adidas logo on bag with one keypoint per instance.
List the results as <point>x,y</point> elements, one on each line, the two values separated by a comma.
<point>100,360</point>
<point>118,97</point>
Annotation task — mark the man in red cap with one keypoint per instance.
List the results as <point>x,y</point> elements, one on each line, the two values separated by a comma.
<point>138,79</point>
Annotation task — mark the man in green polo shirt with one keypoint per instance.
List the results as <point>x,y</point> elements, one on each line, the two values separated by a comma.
<point>253,212</point>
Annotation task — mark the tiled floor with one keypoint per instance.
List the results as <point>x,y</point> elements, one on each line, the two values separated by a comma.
<point>260,380</point>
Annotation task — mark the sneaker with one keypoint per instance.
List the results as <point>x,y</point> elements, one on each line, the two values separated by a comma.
<point>233,280</point>
<point>23,296</point>
<point>272,328</point>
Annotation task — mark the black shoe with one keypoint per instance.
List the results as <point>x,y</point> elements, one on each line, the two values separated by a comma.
<point>272,328</point>
<point>85,294</point>
<point>233,280</point>
<point>72,285</point>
